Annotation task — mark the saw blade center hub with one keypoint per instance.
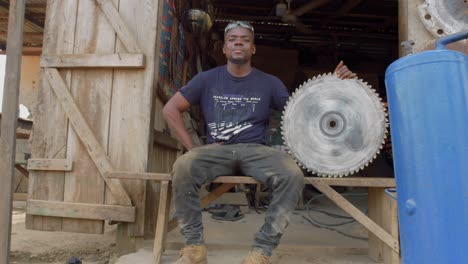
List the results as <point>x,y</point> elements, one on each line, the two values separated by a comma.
<point>332,124</point>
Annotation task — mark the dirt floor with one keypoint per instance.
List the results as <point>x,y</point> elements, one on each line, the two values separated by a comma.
<point>227,242</point>
<point>38,247</point>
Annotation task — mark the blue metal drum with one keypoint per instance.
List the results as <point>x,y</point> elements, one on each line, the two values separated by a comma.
<point>428,104</point>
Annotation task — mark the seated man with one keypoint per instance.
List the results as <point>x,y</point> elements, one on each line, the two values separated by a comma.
<point>235,100</point>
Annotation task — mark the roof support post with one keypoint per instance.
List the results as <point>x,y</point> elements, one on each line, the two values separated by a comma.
<point>9,122</point>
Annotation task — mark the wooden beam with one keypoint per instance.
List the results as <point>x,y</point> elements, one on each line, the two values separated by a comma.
<point>345,8</point>
<point>383,210</point>
<point>22,170</point>
<point>357,214</point>
<point>345,181</point>
<point>354,181</point>
<point>119,26</point>
<point>9,122</point>
<point>86,135</point>
<point>162,221</point>
<point>20,197</point>
<point>50,164</point>
<point>139,175</point>
<point>81,210</point>
<point>118,60</point>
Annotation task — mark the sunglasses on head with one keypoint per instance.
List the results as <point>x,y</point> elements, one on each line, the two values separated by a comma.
<point>234,24</point>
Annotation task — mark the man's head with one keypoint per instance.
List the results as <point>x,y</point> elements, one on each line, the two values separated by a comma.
<point>239,42</point>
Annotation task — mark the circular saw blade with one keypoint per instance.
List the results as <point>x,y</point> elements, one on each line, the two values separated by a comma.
<point>334,127</point>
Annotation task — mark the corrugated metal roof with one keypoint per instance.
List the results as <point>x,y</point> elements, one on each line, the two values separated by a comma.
<point>33,23</point>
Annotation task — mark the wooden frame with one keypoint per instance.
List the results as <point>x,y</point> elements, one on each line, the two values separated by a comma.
<point>383,243</point>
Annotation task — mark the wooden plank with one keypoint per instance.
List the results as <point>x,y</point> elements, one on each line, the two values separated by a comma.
<point>120,27</point>
<point>162,221</point>
<point>91,90</point>
<point>86,135</point>
<point>236,179</point>
<point>50,164</point>
<point>357,215</point>
<point>132,105</point>
<point>354,181</point>
<point>383,211</point>
<point>9,122</point>
<point>50,122</point>
<point>81,210</point>
<point>119,60</point>
<point>347,181</point>
<point>140,175</point>
<point>20,197</point>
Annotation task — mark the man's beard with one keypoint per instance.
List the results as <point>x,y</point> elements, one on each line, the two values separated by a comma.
<point>238,61</point>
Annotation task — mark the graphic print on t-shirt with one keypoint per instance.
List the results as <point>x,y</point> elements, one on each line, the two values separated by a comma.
<point>231,114</point>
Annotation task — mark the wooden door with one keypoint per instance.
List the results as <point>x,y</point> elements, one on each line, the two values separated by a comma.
<point>93,116</point>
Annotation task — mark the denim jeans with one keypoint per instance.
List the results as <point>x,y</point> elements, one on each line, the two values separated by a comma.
<point>274,168</point>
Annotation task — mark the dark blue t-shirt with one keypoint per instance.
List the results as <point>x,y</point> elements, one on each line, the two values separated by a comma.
<point>236,109</point>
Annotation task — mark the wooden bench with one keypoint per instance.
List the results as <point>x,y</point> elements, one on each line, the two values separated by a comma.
<point>381,223</point>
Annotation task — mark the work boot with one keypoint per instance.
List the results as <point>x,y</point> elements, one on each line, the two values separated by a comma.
<point>255,257</point>
<point>194,254</point>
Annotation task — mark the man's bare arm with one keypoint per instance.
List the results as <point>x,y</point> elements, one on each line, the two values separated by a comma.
<point>172,113</point>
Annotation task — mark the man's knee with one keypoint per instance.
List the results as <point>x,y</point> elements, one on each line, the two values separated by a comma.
<point>297,178</point>
<point>293,173</point>
<point>181,169</point>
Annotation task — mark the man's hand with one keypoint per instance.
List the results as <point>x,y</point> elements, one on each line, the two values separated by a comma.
<point>343,72</point>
